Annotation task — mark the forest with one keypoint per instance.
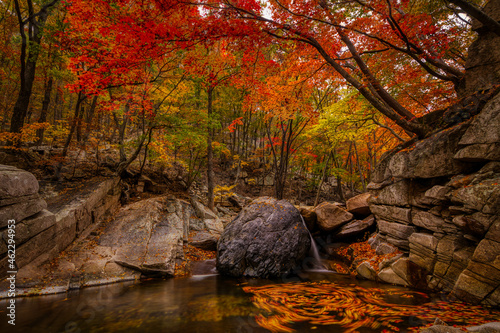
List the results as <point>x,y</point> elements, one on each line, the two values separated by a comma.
<point>294,94</point>
<point>250,165</point>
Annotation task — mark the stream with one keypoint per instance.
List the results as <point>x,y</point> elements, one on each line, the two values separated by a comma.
<point>206,302</point>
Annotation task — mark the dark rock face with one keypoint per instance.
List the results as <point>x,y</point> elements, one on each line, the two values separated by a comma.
<point>267,239</point>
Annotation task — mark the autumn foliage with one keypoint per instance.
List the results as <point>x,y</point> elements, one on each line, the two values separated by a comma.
<point>289,87</point>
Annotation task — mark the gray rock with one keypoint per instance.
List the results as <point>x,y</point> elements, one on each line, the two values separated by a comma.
<point>145,239</point>
<point>486,126</point>
<point>21,210</point>
<point>483,196</point>
<point>358,205</point>
<point>438,192</point>
<point>389,276</point>
<point>392,213</point>
<point>331,217</point>
<point>399,164</point>
<point>488,252</point>
<point>470,289</point>
<point>493,327</point>
<point>366,271</point>
<point>396,194</point>
<point>355,227</point>
<point>479,153</point>
<point>204,240</point>
<point>402,244</point>
<point>424,240</point>
<point>214,226</point>
<point>309,216</point>
<point>400,267</point>
<point>434,156</point>
<point>375,240</point>
<point>32,226</point>
<point>427,220</point>
<point>13,200</point>
<point>396,230</point>
<point>16,182</point>
<point>385,248</point>
<point>442,329</point>
<point>202,211</point>
<point>266,239</point>
<point>474,224</point>
<point>423,250</point>
<point>389,261</point>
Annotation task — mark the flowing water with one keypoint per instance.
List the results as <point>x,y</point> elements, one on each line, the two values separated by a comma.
<point>304,302</point>
<point>316,262</point>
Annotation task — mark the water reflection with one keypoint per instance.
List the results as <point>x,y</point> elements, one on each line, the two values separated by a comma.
<point>208,303</point>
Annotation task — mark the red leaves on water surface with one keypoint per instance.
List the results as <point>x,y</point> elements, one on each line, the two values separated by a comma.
<point>353,307</point>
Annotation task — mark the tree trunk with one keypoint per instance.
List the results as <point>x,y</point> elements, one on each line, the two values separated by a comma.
<point>81,98</point>
<point>210,153</point>
<point>30,48</point>
<point>45,108</point>
<point>316,201</point>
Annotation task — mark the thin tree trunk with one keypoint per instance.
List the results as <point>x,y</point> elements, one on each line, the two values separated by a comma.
<point>361,177</point>
<point>316,201</point>
<point>45,108</point>
<point>29,55</point>
<point>81,98</point>
<point>210,153</point>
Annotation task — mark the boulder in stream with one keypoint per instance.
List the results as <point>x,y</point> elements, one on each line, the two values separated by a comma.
<point>267,239</point>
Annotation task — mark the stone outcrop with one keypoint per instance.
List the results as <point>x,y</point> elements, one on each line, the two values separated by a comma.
<point>482,69</point>
<point>355,228</point>
<point>145,238</point>
<point>266,239</point>
<point>41,232</point>
<point>331,217</point>
<point>359,205</point>
<point>438,201</point>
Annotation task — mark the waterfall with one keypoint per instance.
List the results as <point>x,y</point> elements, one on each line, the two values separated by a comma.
<point>313,251</point>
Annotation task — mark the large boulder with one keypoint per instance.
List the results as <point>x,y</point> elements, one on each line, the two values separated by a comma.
<point>145,238</point>
<point>358,205</point>
<point>267,239</point>
<point>331,216</point>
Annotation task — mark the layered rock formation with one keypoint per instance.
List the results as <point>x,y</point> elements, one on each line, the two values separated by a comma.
<point>41,234</point>
<point>439,202</point>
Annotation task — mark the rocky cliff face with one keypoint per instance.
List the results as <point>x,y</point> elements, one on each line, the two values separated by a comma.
<point>438,201</point>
